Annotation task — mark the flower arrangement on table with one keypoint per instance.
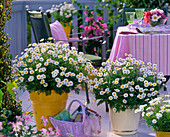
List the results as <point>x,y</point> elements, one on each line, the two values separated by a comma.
<point>126,83</point>
<point>155,17</point>
<point>63,12</point>
<point>157,114</point>
<point>94,28</point>
<point>48,66</point>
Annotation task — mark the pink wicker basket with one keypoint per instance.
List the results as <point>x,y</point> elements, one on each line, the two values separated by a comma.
<point>74,128</point>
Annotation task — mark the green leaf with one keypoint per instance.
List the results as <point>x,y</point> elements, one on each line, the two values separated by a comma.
<point>1,95</point>
<point>9,89</point>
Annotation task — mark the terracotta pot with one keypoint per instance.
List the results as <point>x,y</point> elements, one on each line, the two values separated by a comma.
<point>47,106</point>
<point>162,134</point>
<point>124,122</point>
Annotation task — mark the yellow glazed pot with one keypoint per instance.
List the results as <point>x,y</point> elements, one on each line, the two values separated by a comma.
<point>47,106</point>
<point>67,29</point>
<point>162,134</point>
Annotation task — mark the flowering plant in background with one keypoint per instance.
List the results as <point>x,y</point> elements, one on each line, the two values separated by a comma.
<point>126,83</point>
<point>155,17</point>
<point>47,66</point>
<point>63,12</point>
<point>23,128</point>
<point>94,27</point>
<point>157,113</point>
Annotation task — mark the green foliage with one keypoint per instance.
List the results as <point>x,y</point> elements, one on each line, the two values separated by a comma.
<point>10,107</point>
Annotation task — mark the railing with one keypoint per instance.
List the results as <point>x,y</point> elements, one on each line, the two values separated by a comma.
<point>17,26</point>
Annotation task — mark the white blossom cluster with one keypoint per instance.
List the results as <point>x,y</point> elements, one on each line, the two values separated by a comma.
<point>45,62</point>
<point>127,80</point>
<point>157,112</point>
<point>62,10</point>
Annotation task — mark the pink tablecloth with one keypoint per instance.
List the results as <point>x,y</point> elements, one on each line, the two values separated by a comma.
<point>153,48</point>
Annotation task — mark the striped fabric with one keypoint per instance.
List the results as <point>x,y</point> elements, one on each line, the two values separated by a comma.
<point>154,48</point>
<point>58,32</point>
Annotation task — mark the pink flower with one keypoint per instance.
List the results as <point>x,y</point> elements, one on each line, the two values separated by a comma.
<point>1,125</point>
<point>83,35</point>
<point>16,127</point>
<point>20,118</point>
<point>156,11</point>
<point>91,18</point>
<point>28,118</point>
<point>100,18</point>
<point>92,12</point>
<point>81,26</point>
<point>90,28</point>
<point>85,12</point>
<point>45,121</point>
<point>44,130</point>
<point>104,25</point>
<point>90,36</point>
<point>50,128</point>
<point>86,19</point>
<point>57,132</point>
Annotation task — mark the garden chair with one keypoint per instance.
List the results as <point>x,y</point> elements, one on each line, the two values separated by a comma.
<point>41,29</point>
<point>125,9</point>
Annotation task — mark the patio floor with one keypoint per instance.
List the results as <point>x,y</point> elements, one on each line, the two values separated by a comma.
<point>143,130</point>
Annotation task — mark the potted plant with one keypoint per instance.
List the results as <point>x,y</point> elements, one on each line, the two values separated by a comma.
<point>63,13</point>
<point>48,71</point>
<point>157,115</point>
<point>93,27</point>
<point>155,17</point>
<point>125,85</point>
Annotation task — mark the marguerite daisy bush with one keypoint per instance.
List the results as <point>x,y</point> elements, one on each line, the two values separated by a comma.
<point>126,83</point>
<point>157,113</point>
<point>47,66</point>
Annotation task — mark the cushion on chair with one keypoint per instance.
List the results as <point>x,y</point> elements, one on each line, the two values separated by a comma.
<point>58,32</point>
<point>96,60</point>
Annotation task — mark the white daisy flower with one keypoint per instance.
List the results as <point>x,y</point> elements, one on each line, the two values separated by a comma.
<point>38,77</point>
<point>80,80</point>
<point>31,71</point>
<point>125,95</point>
<point>115,97</point>
<point>124,101</point>
<point>71,83</point>
<point>46,63</point>
<point>137,87</point>
<point>110,97</point>
<point>21,79</point>
<point>45,85</point>
<point>117,90</point>
<point>154,121</point>
<point>31,78</point>
<point>62,74</point>
<point>114,93</point>
<point>114,109</point>
<point>131,95</point>
<point>102,92</point>
<point>122,86</point>
<point>158,115</point>
<point>155,17</point>
<point>42,81</point>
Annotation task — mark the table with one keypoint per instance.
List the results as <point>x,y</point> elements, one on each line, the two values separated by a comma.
<point>154,48</point>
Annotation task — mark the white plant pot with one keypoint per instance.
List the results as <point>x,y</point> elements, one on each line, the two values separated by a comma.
<point>124,122</point>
